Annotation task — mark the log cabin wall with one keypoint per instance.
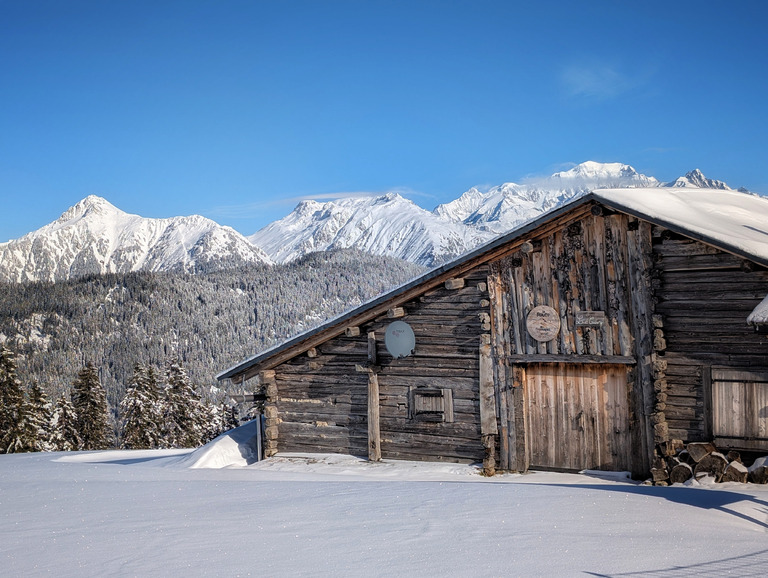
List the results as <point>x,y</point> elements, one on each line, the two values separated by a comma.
<point>704,297</point>
<point>428,402</point>
<point>321,402</point>
<point>448,324</point>
<point>595,272</point>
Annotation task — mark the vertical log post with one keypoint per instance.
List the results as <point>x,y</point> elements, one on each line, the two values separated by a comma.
<point>498,339</point>
<point>267,381</point>
<point>488,427</point>
<point>374,431</point>
<point>650,370</point>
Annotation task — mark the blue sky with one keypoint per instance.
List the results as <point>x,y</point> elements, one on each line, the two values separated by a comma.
<point>236,110</point>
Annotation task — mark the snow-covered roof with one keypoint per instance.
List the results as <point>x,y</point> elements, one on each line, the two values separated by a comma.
<point>730,220</point>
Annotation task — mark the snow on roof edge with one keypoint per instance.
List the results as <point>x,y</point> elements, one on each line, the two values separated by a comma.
<point>737,227</point>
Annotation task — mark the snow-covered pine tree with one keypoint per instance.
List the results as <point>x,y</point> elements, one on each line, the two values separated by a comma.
<point>90,402</point>
<point>184,417</point>
<point>231,419</point>
<point>64,436</point>
<point>39,418</point>
<point>14,433</point>
<point>140,411</point>
<point>216,421</point>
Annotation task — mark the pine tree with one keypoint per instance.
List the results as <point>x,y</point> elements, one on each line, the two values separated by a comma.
<point>183,414</point>
<point>64,436</point>
<point>39,419</point>
<point>231,419</point>
<point>215,421</point>
<point>13,409</point>
<point>140,411</point>
<point>90,402</point>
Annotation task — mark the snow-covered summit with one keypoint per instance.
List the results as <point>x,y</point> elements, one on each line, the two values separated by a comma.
<point>502,208</point>
<point>391,225</point>
<point>602,175</point>
<point>94,236</point>
<point>696,179</point>
<point>385,225</point>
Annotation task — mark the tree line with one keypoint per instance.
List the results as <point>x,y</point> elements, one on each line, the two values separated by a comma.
<point>209,321</point>
<point>156,412</point>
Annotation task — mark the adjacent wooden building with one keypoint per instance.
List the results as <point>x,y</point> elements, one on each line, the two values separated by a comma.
<point>578,341</point>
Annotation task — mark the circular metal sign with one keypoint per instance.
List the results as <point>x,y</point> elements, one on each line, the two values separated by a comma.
<point>399,339</point>
<point>543,323</point>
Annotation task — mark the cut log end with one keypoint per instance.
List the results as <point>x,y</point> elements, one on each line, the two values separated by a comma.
<point>713,464</point>
<point>735,472</point>
<point>680,474</point>
<point>699,450</point>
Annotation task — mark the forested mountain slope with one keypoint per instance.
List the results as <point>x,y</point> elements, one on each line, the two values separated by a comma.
<point>209,321</point>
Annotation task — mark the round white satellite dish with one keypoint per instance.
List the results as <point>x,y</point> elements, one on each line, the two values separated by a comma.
<point>399,339</point>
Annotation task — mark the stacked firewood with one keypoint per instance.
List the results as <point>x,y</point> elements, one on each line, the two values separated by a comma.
<point>676,463</point>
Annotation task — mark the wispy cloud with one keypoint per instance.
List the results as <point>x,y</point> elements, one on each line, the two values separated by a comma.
<point>600,81</point>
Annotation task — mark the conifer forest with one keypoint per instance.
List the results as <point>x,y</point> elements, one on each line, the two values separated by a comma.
<point>97,355</point>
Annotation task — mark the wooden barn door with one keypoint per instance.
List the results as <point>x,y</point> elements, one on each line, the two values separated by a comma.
<point>577,416</point>
<point>740,408</point>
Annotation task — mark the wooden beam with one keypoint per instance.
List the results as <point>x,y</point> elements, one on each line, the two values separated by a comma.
<point>396,312</point>
<point>374,431</point>
<point>602,211</point>
<point>554,358</point>
<point>360,368</point>
<point>529,247</point>
<point>487,395</point>
<point>372,354</point>
<point>454,283</point>
<point>352,331</point>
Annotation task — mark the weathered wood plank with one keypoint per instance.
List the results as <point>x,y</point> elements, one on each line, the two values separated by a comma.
<point>700,262</point>
<point>587,359</point>
<point>642,395</point>
<point>374,431</point>
<point>487,397</point>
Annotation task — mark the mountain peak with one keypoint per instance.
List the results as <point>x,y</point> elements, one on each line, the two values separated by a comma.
<point>595,170</point>
<point>94,236</point>
<point>385,224</point>
<point>90,205</point>
<point>696,178</point>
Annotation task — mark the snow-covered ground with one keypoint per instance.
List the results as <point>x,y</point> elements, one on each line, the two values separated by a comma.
<point>208,513</point>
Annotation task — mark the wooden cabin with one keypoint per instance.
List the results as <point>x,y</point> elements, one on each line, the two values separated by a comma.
<point>577,341</point>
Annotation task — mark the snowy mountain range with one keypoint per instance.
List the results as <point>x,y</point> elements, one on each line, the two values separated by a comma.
<point>502,208</point>
<point>387,225</point>
<point>393,226</point>
<point>96,237</point>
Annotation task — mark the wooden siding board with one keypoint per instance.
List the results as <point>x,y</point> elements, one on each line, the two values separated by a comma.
<point>704,299</point>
